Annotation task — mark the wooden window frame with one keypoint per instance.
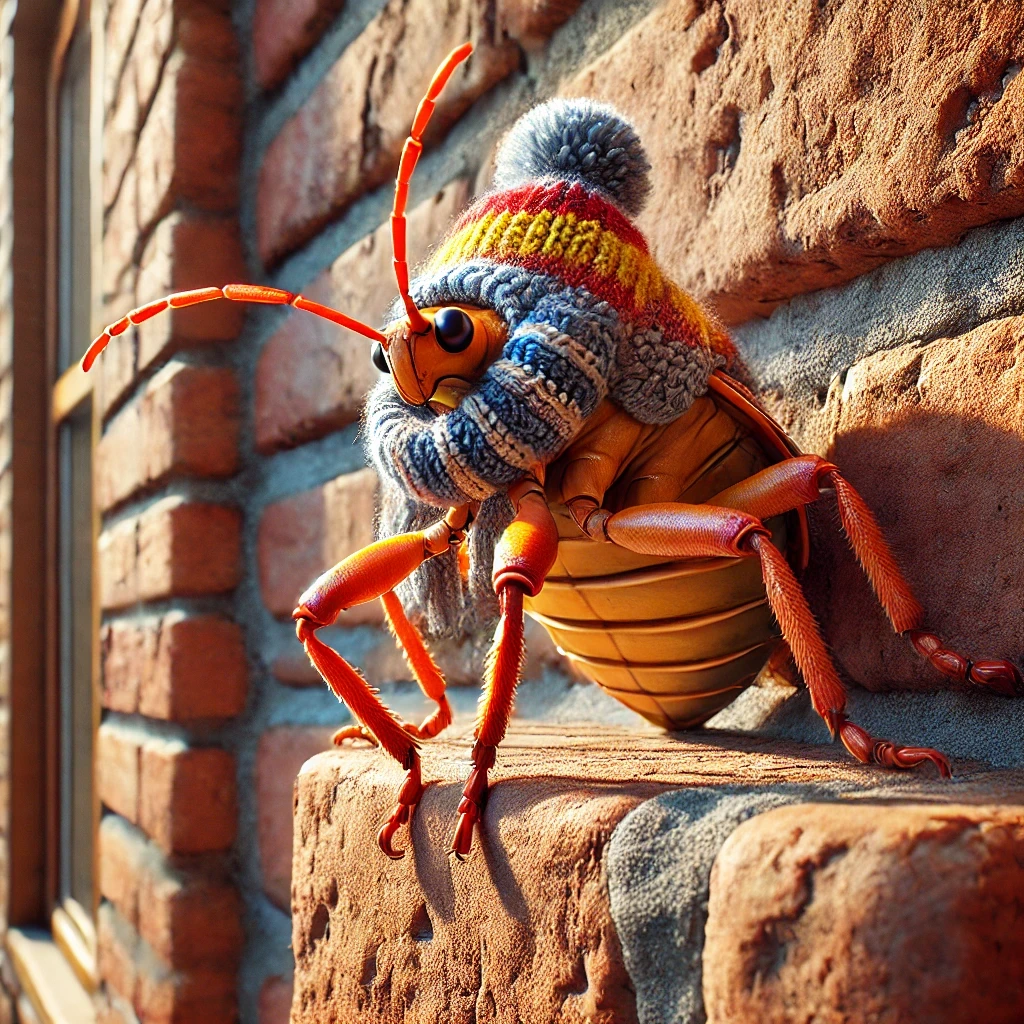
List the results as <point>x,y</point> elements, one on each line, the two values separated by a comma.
<point>51,942</point>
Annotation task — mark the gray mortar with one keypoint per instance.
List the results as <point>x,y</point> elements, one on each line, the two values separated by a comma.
<point>661,854</point>
<point>936,293</point>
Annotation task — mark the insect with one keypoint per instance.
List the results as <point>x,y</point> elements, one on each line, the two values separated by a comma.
<point>562,431</point>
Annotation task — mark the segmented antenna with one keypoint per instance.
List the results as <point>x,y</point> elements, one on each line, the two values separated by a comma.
<point>234,293</point>
<point>410,155</point>
<point>277,296</point>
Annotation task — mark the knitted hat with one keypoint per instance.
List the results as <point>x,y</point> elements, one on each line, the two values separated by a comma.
<point>590,315</point>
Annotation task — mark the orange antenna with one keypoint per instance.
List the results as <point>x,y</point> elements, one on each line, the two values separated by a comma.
<point>410,155</point>
<point>234,293</point>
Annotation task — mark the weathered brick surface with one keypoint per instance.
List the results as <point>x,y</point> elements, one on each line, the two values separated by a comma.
<point>159,995</point>
<point>117,770</point>
<point>868,913</point>
<point>190,921</point>
<point>190,145</point>
<point>116,942</point>
<point>176,548</point>
<point>284,30</point>
<point>187,797</point>
<point>933,437</point>
<point>122,858</point>
<point>282,752</point>
<point>797,145</point>
<point>324,158</point>
<point>199,996</point>
<point>189,251</point>
<point>122,18</point>
<point>177,667</point>
<point>530,22</point>
<point>312,376</point>
<point>303,536</point>
<point>184,423</point>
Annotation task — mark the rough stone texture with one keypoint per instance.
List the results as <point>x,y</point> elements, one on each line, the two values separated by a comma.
<point>520,931</point>
<point>324,157</point>
<point>938,293</point>
<point>868,913</point>
<point>530,22</point>
<point>933,437</point>
<point>284,30</point>
<point>796,146</point>
<point>281,753</point>
<point>427,937</point>
<point>303,536</point>
<point>313,376</point>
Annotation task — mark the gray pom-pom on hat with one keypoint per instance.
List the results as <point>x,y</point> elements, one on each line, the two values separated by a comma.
<point>579,140</point>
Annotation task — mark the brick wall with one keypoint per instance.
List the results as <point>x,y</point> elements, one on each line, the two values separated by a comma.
<point>173,661</point>
<point>229,473</point>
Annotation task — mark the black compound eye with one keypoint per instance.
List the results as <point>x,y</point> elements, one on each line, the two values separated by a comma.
<point>453,328</point>
<point>379,359</point>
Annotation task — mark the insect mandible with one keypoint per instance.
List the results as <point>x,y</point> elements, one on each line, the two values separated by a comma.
<point>562,412</point>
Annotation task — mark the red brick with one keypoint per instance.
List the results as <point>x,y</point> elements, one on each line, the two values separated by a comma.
<point>117,770</point>
<point>281,753</point>
<point>184,423</point>
<point>190,921</point>
<point>794,149</point>
<point>121,859</point>
<point>163,667</point>
<point>187,548</point>
<point>116,942</point>
<point>126,651</point>
<point>275,1001</point>
<point>900,912</point>
<point>200,670</point>
<point>187,799</point>
<point>176,548</point>
<point>324,158</point>
<point>532,21</point>
<point>117,555</point>
<point>284,30</point>
<point>189,251</point>
<point>185,917</point>
<point>200,996</point>
<point>189,148</point>
<point>303,536</point>
<point>312,376</point>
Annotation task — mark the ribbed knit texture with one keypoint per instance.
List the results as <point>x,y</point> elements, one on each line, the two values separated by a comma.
<point>590,316</point>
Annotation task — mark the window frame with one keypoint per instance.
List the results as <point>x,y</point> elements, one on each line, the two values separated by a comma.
<point>52,941</point>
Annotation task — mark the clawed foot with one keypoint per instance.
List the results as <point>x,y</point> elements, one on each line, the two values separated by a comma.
<point>474,796</point>
<point>354,732</point>
<point>1002,677</point>
<point>408,797</point>
<point>869,750</point>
